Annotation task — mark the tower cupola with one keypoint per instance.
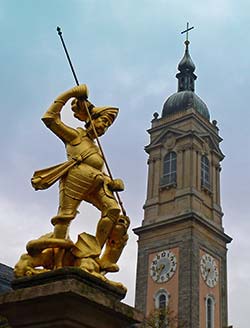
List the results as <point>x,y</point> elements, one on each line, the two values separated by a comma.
<point>185,97</point>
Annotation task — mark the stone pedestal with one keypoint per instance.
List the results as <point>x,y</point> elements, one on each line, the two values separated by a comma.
<point>66,298</point>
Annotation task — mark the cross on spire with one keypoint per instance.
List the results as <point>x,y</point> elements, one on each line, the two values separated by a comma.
<point>187,30</point>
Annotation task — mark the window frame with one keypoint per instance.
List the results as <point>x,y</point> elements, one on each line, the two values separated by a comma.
<point>162,316</point>
<point>210,317</point>
<point>169,170</point>
<point>205,173</point>
<point>157,295</point>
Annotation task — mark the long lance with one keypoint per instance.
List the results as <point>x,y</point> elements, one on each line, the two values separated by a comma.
<point>90,119</point>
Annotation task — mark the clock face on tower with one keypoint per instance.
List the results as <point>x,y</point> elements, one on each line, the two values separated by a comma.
<point>209,270</point>
<point>163,266</point>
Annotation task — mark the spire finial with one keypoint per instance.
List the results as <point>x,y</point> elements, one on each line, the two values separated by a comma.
<point>186,77</point>
<point>186,31</point>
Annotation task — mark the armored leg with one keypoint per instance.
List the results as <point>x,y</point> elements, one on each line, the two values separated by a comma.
<point>114,245</point>
<point>66,213</point>
<point>106,224</point>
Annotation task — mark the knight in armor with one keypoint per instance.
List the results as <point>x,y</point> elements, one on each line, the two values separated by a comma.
<point>82,176</point>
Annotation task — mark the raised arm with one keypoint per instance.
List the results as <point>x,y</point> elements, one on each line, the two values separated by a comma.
<point>52,118</point>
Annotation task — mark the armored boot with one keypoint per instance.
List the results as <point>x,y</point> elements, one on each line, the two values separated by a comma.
<point>106,224</point>
<point>114,245</point>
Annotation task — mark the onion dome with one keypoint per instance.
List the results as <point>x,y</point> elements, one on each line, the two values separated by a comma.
<point>185,97</point>
<point>186,64</point>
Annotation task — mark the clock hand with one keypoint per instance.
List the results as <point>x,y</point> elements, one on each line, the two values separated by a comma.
<point>159,270</point>
<point>208,272</point>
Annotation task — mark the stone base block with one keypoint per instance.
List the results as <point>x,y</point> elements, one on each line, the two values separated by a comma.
<point>66,298</point>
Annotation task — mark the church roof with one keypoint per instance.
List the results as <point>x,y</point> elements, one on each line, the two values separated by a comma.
<point>6,276</point>
<point>184,100</point>
<point>185,97</point>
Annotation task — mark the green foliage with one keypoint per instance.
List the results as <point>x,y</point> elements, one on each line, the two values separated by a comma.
<point>162,318</point>
<point>4,323</point>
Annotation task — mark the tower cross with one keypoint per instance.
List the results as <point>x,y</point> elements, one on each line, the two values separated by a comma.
<point>187,30</point>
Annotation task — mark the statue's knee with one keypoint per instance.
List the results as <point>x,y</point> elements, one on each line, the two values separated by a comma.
<point>124,221</point>
<point>105,223</point>
<point>113,213</point>
<point>119,231</point>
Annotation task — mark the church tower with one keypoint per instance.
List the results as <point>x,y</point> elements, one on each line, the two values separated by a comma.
<point>182,247</point>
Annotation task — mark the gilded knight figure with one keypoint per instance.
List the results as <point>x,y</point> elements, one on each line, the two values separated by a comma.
<point>81,178</point>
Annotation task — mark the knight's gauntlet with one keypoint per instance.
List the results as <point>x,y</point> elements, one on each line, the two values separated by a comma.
<point>116,185</point>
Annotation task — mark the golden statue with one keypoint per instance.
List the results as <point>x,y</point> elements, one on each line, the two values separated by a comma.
<point>81,177</point>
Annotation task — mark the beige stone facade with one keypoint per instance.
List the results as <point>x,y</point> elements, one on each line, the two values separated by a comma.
<point>190,136</point>
<point>184,214</point>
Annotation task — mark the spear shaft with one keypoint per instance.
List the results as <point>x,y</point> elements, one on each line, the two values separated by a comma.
<point>67,54</point>
<point>90,119</point>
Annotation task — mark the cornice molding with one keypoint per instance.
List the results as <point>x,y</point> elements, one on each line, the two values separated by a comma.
<point>192,218</point>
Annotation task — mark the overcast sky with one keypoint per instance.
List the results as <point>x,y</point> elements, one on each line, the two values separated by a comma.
<point>127,53</point>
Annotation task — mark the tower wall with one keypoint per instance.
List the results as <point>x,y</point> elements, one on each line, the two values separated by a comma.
<point>183,217</point>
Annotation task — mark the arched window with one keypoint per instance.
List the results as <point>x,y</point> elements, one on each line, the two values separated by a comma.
<point>162,301</point>
<point>205,172</point>
<point>209,312</point>
<point>161,304</point>
<point>161,298</point>
<point>169,169</point>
